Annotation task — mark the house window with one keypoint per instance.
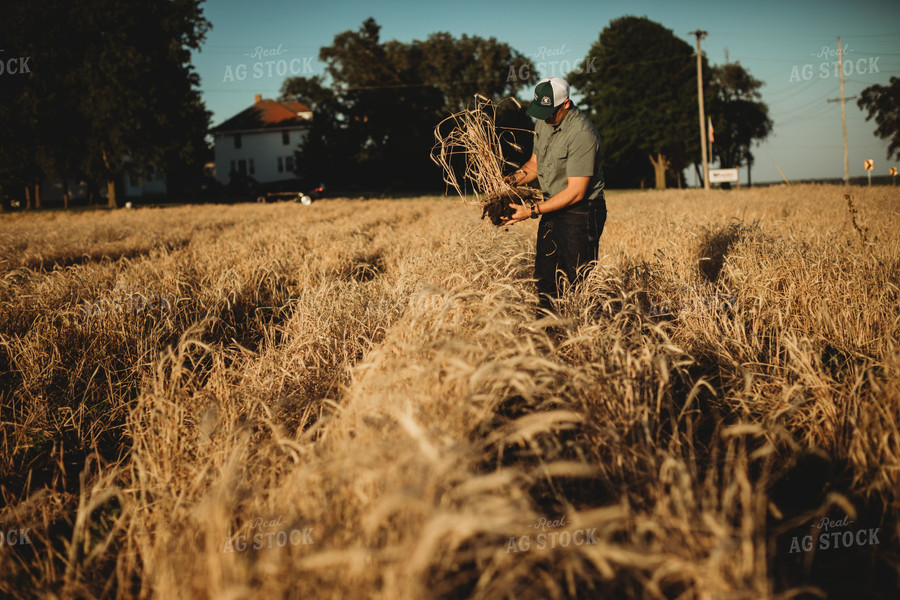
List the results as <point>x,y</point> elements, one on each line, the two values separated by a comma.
<point>280,165</point>
<point>237,141</point>
<point>285,137</point>
<point>252,167</point>
<point>289,163</point>
<point>242,167</point>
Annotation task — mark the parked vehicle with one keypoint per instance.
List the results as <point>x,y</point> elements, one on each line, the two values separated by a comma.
<point>11,203</point>
<point>304,190</point>
<point>205,188</point>
<point>242,186</point>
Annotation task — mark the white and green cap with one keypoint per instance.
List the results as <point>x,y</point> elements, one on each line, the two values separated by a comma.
<point>549,94</point>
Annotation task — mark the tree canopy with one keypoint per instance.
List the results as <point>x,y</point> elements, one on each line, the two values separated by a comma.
<point>642,98</point>
<point>375,120</point>
<point>111,90</point>
<point>882,102</point>
<point>739,117</point>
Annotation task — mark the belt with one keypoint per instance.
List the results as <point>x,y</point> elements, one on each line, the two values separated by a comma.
<point>583,207</point>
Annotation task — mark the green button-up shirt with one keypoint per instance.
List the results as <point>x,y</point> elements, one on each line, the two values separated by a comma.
<point>570,150</point>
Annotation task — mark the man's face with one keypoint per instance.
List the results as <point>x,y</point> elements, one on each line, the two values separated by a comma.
<point>556,118</point>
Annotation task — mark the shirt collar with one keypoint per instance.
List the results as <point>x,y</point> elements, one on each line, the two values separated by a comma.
<point>559,127</point>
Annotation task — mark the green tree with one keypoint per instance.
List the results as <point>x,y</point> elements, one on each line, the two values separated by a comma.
<point>111,92</point>
<point>140,96</point>
<point>376,118</point>
<point>882,102</point>
<point>35,102</point>
<point>642,99</point>
<point>472,65</point>
<point>322,155</point>
<point>739,117</point>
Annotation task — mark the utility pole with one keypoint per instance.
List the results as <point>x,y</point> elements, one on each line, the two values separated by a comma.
<point>843,115</point>
<point>840,64</point>
<point>700,35</point>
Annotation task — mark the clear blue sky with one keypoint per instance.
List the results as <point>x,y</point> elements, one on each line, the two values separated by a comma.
<point>769,38</point>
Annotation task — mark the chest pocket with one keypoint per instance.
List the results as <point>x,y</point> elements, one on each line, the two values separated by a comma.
<point>542,148</point>
<point>559,162</point>
<point>560,150</point>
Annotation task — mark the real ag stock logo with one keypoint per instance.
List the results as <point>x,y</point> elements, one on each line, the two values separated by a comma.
<point>268,68</point>
<point>130,302</point>
<point>423,303</point>
<point>14,537</point>
<point>554,67</point>
<point>833,68</point>
<point>551,539</point>
<point>276,537</point>
<point>692,297</point>
<point>14,66</point>
<point>835,536</point>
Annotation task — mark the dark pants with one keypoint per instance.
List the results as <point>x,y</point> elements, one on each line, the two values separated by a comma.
<point>567,241</point>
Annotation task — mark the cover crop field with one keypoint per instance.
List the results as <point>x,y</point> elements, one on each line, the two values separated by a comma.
<point>355,399</point>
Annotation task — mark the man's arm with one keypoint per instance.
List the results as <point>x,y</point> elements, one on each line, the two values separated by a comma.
<point>526,173</point>
<point>572,193</point>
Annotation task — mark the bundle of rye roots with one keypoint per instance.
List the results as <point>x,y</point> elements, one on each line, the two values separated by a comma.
<point>473,134</point>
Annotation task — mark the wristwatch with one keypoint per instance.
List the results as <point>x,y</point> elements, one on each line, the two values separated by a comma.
<point>534,214</point>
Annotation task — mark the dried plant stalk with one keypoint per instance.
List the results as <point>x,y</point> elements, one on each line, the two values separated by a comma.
<point>475,135</point>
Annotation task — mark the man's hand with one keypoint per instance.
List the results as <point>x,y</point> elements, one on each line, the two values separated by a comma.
<point>521,213</point>
<point>528,172</point>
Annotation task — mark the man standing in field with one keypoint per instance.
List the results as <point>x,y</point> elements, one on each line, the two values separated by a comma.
<point>566,163</point>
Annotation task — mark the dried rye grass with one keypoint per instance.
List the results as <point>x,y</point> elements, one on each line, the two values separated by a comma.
<point>423,429</point>
<point>474,135</point>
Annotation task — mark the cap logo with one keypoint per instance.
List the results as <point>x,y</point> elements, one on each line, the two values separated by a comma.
<point>546,101</point>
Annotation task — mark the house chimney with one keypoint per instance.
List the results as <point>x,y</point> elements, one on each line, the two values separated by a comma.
<point>257,98</point>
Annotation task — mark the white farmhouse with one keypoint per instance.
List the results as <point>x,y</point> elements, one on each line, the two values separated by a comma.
<point>261,140</point>
<point>149,182</point>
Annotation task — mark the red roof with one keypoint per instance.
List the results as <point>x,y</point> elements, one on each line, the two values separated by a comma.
<point>266,114</point>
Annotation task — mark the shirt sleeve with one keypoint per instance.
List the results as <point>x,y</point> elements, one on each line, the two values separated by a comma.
<point>582,157</point>
<point>538,140</point>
